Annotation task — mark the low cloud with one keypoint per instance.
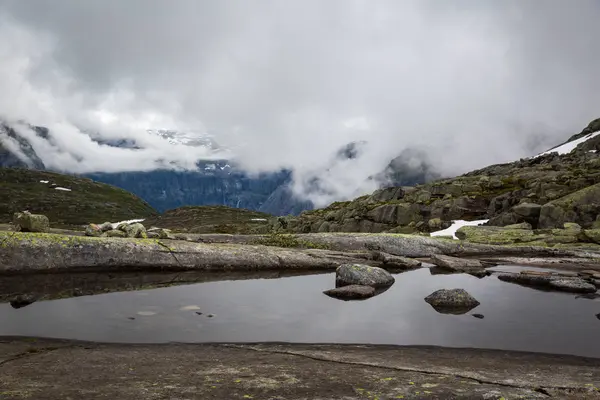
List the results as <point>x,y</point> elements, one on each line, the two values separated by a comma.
<point>287,84</point>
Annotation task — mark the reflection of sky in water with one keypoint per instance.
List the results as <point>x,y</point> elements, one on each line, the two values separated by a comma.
<point>295,310</point>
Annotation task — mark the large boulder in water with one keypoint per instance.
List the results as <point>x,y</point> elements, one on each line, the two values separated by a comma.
<point>452,301</point>
<point>359,274</point>
<point>28,222</point>
<point>351,292</point>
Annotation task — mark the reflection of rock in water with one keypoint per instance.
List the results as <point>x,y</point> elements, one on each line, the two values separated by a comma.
<point>349,293</point>
<point>22,300</point>
<point>440,271</point>
<point>64,285</point>
<point>452,301</point>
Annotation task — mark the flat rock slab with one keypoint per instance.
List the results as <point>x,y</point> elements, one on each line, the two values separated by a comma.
<point>550,281</point>
<point>460,265</point>
<point>290,372</point>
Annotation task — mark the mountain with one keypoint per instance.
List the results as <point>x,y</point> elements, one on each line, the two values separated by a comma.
<point>546,190</point>
<point>68,201</point>
<point>218,182</point>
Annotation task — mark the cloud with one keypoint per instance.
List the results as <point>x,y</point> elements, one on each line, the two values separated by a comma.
<point>287,84</point>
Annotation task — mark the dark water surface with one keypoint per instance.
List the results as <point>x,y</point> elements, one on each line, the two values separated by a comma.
<point>294,309</point>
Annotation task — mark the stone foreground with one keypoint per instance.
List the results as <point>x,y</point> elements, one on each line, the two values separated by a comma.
<point>41,369</point>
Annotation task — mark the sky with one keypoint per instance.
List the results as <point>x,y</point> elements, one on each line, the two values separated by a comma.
<point>287,83</point>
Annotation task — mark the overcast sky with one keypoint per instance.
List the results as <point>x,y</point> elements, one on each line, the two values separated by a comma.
<point>286,83</point>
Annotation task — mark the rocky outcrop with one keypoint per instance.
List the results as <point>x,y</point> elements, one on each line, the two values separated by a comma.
<point>30,252</point>
<point>364,275</point>
<point>452,301</point>
<point>351,292</point>
<point>582,207</point>
<point>28,222</point>
<point>544,191</point>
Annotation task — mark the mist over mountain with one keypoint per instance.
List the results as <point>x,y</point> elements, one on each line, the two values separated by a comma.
<point>210,182</point>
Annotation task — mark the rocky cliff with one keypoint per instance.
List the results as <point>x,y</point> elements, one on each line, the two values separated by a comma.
<point>558,186</point>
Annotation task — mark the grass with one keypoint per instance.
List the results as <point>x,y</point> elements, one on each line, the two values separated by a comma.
<point>212,219</point>
<point>87,202</point>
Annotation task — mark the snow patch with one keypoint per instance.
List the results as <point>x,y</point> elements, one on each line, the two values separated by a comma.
<point>44,181</point>
<point>570,146</point>
<point>451,231</point>
<point>258,219</point>
<point>62,188</point>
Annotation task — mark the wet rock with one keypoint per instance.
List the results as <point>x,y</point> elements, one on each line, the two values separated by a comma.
<point>392,261</point>
<point>549,281</point>
<point>596,282</point>
<point>359,274</point>
<point>135,230</point>
<point>573,285</point>
<point>28,222</point>
<point>22,300</point>
<point>115,233</point>
<point>351,292</point>
<point>93,230</point>
<point>452,301</point>
<point>479,316</point>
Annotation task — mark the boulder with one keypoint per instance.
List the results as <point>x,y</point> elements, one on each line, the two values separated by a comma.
<point>107,226</point>
<point>529,211</point>
<point>161,233</point>
<point>392,261</point>
<point>135,230</point>
<point>452,301</point>
<point>115,233</point>
<point>93,230</point>
<point>28,222</point>
<point>593,235</point>
<point>351,292</point>
<point>359,274</point>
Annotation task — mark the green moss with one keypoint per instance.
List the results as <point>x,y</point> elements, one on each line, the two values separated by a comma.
<point>290,241</point>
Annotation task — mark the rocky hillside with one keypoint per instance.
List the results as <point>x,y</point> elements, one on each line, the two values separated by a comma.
<point>67,201</point>
<point>562,185</point>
